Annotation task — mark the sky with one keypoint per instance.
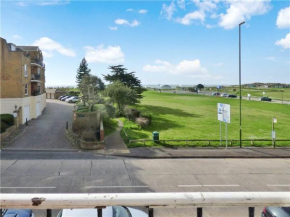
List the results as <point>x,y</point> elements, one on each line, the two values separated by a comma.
<point>164,42</point>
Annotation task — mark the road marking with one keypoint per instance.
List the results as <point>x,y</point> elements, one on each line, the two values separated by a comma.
<point>144,186</point>
<point>185,186</point>
<point>27,187</point>
<point>278,185</point>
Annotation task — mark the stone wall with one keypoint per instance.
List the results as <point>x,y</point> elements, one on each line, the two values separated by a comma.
<point>7,132</point>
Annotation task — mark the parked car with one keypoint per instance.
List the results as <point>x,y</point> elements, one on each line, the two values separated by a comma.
<point>265,98</point>
<point>75,99</point>
<point>232,96</point>
<point>271,211</point>
<point>216,94</point>
<point>17,213</point>
<point>224,95</point>
<point>62,96</point>
<point>67,99</point>
<point>110,211</point>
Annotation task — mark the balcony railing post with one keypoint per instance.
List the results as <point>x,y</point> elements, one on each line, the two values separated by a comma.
<point>251,211</point>
<point>48,213</point>
<point>199,211</point>
<point>150,212</point>
<point>100,212</point>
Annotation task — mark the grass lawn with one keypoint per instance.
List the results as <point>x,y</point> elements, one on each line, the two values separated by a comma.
<point>185,117</point>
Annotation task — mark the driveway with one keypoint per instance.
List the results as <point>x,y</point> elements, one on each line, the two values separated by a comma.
<point>47,132</point>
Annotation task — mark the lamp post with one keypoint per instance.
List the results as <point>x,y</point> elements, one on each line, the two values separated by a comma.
<point>240,78</point>
<point>282,96</point>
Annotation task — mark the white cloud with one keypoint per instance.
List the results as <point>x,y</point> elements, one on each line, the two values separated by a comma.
<point>186,67</point>
<point>101,54</point>
<point>168,11</point>
<point>240,11</point>
<point>113,28</point>
<point>142,11</point>
<point>43,2</point>
<point>188,18</point>
<point>130,10</point>
<point>181,4</point>
<point>207,5</point>
<point>284,42</point>
<point>17,37</point>
<point>283,19</point>
<point>48,45</point>
<point>127,23</point>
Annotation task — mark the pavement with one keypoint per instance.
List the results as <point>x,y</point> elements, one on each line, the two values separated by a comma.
<point>47,132</point>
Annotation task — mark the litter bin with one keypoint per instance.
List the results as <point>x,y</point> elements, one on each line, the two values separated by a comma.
<point>155,135</point>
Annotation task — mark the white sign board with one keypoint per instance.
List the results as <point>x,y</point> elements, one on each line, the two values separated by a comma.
<point>275,120</point>
<point>224,112</point>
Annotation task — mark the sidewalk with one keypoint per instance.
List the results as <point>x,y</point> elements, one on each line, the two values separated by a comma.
<point>247,152</point>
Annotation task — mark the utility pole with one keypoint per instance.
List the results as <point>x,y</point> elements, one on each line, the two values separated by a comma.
<point>240,83</point>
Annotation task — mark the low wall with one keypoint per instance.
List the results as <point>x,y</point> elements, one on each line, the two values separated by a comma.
<point>7,132</point>
<point>91,145</point>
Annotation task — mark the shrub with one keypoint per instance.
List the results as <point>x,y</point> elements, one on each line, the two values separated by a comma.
<point>142,122</point>
<point>3,127</point>
<point>7,118</point>
<point>83,124</point>
<point>146,115</point>
<point>131,113</point>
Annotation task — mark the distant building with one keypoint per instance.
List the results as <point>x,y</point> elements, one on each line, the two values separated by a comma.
<point>22,80</point>
<point>166,87</point>
<point>53,93</point>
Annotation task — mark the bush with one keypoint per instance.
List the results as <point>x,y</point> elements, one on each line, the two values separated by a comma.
<point>83,124</point>
<point>131,114</point>
<point>7,118</point>
<point>142,122</point>
<point>3,127</point>
<point>146,115</point>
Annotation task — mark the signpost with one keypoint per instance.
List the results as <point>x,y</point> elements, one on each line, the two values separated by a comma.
<point>224,115</point>
<point>274,121</point>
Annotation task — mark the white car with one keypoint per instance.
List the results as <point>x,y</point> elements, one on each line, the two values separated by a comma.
<point>110,211</point>
<point>72,99</point>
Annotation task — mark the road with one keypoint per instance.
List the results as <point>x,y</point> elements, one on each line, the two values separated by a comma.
<point>48,130</point>
<point>88,172</point>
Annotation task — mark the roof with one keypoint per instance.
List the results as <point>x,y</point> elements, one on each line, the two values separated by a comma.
<point>28,48</point>
<point>50,90</point>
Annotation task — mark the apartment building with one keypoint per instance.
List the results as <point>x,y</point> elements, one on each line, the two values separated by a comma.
<point>22,80</point>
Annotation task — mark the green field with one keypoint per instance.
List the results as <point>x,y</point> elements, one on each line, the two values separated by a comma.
<point>186,117</point>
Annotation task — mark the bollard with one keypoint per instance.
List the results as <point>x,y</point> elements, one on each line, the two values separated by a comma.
<point>26,123</point>
<point>251,211</point>
<point>48,213</point>
<point>67,125</point>
<point>199,212</point>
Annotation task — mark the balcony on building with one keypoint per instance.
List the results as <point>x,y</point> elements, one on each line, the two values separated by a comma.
<point>36,73</point>
<point>35,89</point>
<point>37,62</point>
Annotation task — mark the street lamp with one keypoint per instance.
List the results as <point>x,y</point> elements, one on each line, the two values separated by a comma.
<point>240,83</point>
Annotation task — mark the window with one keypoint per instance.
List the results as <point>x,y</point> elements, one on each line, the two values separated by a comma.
<point>38,71</point>
<point>25,70</point>
<point>26,89</point>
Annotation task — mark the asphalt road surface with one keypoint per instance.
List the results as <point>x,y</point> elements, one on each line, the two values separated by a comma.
<point>82,172</point>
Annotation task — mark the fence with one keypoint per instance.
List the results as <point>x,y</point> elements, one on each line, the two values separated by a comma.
<point>209,141</point>
<point>150,200</point>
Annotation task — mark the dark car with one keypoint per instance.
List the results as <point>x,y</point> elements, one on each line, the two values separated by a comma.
<point>232,96</point>
<point>62,97</point>
<point>216,94</point>
<point>271,211</point>
<point>265,98</point>
<point>17,213</point>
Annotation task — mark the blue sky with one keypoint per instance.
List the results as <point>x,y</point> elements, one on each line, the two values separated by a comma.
<point>164,42</point>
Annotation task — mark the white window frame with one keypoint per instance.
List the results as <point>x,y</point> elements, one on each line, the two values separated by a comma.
<point>26,89</point>
<point>25,71</point>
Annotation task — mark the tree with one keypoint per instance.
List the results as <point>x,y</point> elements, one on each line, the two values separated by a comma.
<point>119,73</point>
<point>89,87</point>
<point>82,70</point>
<point>199,86</point>
<point>121,95</point>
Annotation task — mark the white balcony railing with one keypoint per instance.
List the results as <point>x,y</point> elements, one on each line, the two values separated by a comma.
<point>149,200</point>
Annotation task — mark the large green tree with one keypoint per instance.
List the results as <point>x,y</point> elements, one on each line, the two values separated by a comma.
<point>82,71</point>
<point>121,95</point>
<point>119,73</point>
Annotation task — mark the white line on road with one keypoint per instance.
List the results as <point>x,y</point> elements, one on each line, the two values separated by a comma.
<point>185,186</point>
<point>278,185</point>
<point>27,187</point>
<point>144,186</point>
